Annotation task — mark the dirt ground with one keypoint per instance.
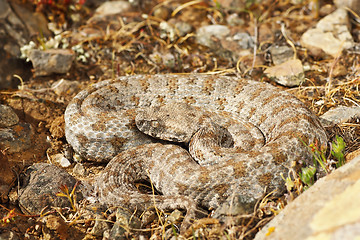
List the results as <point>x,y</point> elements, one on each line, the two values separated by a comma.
<point>126,48</point>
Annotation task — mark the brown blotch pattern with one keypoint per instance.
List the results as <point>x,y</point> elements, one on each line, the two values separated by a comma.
<point>173,84</point>
<point>265,179</point>
<point>135,100</point>
<point>99,127</point>
<point>208,86</point>
<point>256,93</point>
<point>221,102</point>
<point>118,142</point>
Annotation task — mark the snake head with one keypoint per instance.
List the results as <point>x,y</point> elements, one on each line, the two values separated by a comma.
<point>174,122</point>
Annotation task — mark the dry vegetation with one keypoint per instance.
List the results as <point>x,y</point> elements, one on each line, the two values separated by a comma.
<point>125,47</point>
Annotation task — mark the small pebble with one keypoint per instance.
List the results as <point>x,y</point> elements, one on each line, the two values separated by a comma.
<point>8,117</point>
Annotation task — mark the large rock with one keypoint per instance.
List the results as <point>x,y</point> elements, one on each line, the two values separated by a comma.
<point>43,181</point>
<point>331,35</point>
<point>51,61</point>
<point>18,26</point>
<point>328,210</point>
<point>352,4</point>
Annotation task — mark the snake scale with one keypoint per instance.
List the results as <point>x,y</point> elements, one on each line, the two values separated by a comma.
<point>102,123</point>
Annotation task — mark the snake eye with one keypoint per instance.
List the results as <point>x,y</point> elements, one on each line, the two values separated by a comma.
<point>154,124</point>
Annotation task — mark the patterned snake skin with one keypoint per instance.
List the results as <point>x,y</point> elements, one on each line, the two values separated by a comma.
<point>269,123</point>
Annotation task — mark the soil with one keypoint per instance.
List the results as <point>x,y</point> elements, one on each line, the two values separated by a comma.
<point>127,51</point>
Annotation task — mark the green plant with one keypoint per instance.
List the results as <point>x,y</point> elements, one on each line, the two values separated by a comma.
<point>338,148</point>
<point>307,175</point>
<point>319,155</point>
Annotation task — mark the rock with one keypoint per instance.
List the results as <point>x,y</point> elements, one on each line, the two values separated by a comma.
<point>281,54</point>
<point>181,28</point>
<point>57,224</point>
<point>14,33</point>
<point>8,117</point>
<point>100,225</point>
<point>331,35</point>
<point>224,43</point>
<point>243,39</point>
<point>173,29</point>
<point>51,61</point>
<point>19,25</point>
<point>205,34</point>
<point>109,9</point>
<point>339,70</point>
<point>339,114</point>
<point>352,4</point>
<point>327,210</point>
<point>234,20</point>
<point>350,156</point>
<point>41,184</point>
<point>9,235</point>
<point>34,21</point>
<point>234,4</point>
<point>79,170</point>
<point>289,73</point>
<point>60,160</point>
<point>16,138</point>
<point>162,12</point>
<point>326,9</point>
<point>57,127</point>
<point>234,206</point>
<point>93,213</point>
<point>124,221</point>
<point>167,31</point>
<point>167,60</point>
<point>7,178</point>
<point>64,87</point>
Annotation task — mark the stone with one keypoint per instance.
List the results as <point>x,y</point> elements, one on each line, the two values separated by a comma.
<point>339,114</point>
<point>234,206</point>
<point>79,170</point>
<point>113,7</point>
<point>14,33</point>
<point>233,4</point>
<point>124,221</point>
<point>41,184</point>
<point>162,12</point>
<point>16,138</point>
<point>100,225</point>
<point>34,21</point>
<point>9,235</point>
<point>182,28</point>
<point>51,61</point>
<point>225,42</point>
<point>204,34</point>
<point>352,4</point>
<point>108,9</point>
<point>327,210</point>
<point>243,39</point>
<point>64,87</point>
<point>57,127</point>
<point>8,117</point>
<point>234,20</point>
<point>289,73</point>
<point>61,160</point>
<point>331,35</point>
<point>7,178</point>
<point>281,54</point>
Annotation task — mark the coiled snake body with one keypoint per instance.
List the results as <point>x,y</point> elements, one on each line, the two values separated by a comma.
<point>259,132</point>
